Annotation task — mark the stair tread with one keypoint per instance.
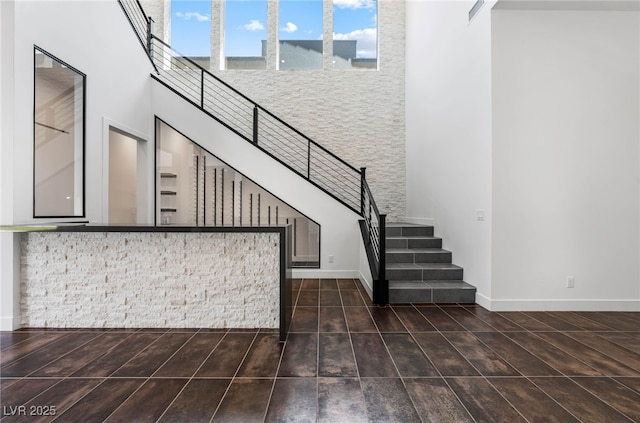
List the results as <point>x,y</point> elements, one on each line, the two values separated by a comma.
<point>411,237</point>
<point>409,225</point>
<point>422,266</point>
<point>417,250</point>
<point>437,284</point>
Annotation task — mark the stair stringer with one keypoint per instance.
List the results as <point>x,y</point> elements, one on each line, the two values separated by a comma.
<point>340,234</point>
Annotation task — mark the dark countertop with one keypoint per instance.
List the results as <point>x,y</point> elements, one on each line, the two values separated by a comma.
<point>91,227</point>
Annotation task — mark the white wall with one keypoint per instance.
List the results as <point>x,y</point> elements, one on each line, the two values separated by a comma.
<point>97,39</point>
<point>9,247</point>
<point>566,112</point>
<point>448,115</point>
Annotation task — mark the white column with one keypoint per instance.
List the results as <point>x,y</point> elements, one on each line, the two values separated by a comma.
<point>9,242</point>
<point>217,61</point>
<point>273,45</point>
<point>327,36</point>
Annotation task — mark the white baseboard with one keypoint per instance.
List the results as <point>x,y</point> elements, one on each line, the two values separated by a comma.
<point>557,305</point>
<point>9,323</point>
<point>429,221</point>
<point>367,285</point>
<point>483,301</point>
<point>324,274</point>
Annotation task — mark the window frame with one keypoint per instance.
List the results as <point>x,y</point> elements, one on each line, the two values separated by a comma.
<point>36,50</point>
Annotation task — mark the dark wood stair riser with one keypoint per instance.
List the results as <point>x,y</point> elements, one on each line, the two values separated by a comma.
<point>463,295</point>
<point>418,274</point>
<point>414,242</point>
<point>418,257</point>
<point>408,231</point>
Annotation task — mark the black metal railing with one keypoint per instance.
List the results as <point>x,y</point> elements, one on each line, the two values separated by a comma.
<point>256,124</point>
<point>268,132</point>
<point>141,23</point>
<point>373,228</point>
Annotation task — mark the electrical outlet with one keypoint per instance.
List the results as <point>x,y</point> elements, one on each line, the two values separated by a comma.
<point>480,215</point>
<point>571,282</point>
<point>330,258</point>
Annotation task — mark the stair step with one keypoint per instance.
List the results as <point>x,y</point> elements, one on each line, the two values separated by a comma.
<point>408,229</point>
<point>413,242</point>
<point>423,271</point>
<point>421,255</point>
<point>436,291</point>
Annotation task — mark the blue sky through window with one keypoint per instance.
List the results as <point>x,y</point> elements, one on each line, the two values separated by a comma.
<point>300,20</point>
<point>191,27</point>
<point>246,25</point>
<point>357,20</point>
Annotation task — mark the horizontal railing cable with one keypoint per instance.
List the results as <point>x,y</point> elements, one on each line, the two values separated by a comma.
<point>140,22</point>
<point>281,140</point>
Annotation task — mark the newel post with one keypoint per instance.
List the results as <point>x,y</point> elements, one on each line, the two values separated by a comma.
<point>363,179</point>
<point>255,125</point>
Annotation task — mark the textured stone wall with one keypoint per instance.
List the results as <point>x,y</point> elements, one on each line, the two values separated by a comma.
<point>169,280</point>
<point>357,114</point>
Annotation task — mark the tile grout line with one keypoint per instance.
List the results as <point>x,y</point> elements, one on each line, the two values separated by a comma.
<point>233,378</point>
<point>190,378</point>
<point>70,377</point>
<point>355,360</point>
<point>104,379</point>
<point>275,377</point>
<point>481,374</point>
<point>528,378</point>
<point>148,378</point>
<point>433,364</point>
<point>402,379</point>
<point>10,363</point>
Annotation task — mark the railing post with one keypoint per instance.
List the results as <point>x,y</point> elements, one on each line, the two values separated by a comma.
<point>149,33</point>
<point>202,89</point>
<point>255,125</point>
<point>383,283</point>
<point>308,159</point>
<point>363,171</point>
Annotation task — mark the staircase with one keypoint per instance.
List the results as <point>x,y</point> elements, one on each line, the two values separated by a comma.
<point>419,270</point>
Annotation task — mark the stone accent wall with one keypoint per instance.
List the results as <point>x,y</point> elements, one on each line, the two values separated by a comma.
<point>359,115</point>
<point>150,279</point>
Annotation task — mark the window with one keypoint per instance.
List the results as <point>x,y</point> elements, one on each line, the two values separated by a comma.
<point>58,170</point>
<point>245,34</point>
<point>191,29</point>
<point>300,34</point>
<point>355,34</point>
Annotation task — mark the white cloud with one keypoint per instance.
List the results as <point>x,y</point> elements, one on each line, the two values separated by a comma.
<point>367,40</point>
<point>290,27</point>
<point>198,16</point>
<point>254,25</point>
<point>354,4</point>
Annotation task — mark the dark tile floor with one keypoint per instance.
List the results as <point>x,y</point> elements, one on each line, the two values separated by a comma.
<point>344,361</point>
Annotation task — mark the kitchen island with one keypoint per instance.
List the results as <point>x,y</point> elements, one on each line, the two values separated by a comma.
<point>102,276</point>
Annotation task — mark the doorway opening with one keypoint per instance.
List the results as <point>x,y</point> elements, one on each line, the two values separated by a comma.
<point>127,178</point>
